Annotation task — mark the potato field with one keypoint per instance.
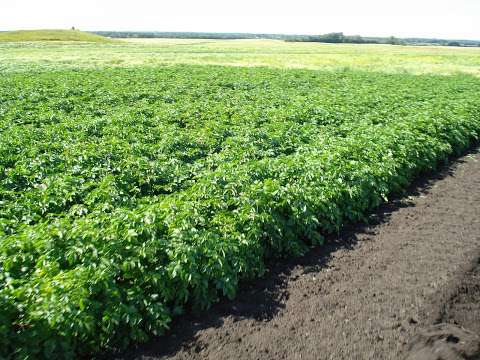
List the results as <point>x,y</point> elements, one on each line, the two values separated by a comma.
<point>129,195</point>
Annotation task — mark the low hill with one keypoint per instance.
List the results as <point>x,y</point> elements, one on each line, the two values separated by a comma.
<point>51,35</point>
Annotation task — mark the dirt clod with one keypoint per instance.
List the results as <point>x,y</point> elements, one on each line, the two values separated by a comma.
<point>445,342</point>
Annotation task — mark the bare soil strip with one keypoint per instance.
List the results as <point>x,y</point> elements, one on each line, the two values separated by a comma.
<point>456,332</point>
<point>365,295</point>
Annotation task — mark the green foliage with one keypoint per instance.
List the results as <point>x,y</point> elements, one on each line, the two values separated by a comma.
<point>127,195</point>
<point>339,38</point>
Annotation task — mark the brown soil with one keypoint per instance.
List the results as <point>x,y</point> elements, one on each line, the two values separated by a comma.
<point>456,334</point>
<point>445,342</point>
<point>372,293</point>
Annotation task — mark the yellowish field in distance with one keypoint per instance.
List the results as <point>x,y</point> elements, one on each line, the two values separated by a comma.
<point>19,56</point>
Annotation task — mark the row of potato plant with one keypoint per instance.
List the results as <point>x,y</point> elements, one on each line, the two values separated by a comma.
<point>129,195</point>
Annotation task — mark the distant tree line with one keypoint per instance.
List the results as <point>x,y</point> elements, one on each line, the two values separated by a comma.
<point>336,38</point>
<point>339,37</point>
<point>187,35</point>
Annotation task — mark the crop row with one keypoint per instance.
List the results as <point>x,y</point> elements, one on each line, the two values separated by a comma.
<point>128,195</point>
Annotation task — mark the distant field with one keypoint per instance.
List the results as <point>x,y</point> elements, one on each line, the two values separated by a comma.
<point>270,53</point>
<point>51,35</point>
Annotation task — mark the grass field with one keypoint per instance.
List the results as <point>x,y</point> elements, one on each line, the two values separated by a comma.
<point>130,190</point>
<point>270,53</point>
<point>51,35</point>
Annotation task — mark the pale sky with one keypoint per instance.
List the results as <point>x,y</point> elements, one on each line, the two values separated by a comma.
<point>451,19</point>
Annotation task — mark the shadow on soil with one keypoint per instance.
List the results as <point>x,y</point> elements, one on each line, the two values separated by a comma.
<point>264,298</point>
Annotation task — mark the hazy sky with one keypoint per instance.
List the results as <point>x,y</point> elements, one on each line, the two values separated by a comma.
<point>422,18</point>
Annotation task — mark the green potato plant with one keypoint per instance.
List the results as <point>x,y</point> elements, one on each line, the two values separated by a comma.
<point>128,195</point>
